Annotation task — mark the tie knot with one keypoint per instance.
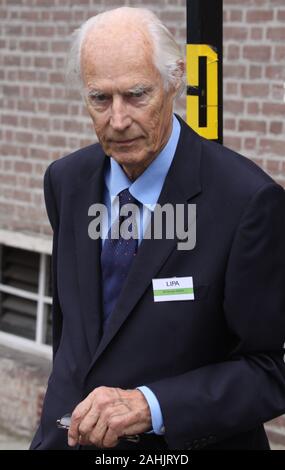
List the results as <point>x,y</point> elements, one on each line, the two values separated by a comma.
<point>125,197</point>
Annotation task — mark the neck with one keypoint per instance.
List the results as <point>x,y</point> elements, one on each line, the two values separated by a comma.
<point>133,172</point>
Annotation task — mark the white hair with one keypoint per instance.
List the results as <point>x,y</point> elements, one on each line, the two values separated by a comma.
<point>167,55</point>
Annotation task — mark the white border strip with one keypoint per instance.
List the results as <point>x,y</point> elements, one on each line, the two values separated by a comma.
<point>26,242</point>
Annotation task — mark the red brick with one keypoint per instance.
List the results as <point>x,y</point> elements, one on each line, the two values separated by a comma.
<point>235,15</point>
<point>234,106</point>
<point>255,16</point>
<point>56,78</point>
<point>250,143</point>
<point>232,142</point>
<point>256,33</point>
<point>230,124</point>
<point>42,92</point>
<point>275,147</point>
<point>279,53</point>
<point>10,120</point>
<point>276,34</point>
<point>232,88</point>
<point>62,15</point>
<point>275,72</point>
<point>257,53</point>
<point>12,60</point>
<point>24,137</point>
<point>233,51</point>
<point>172,16</point>
<point>22,196</point>
<point>253,107</point>
<point>27,75</point>
<point>58,108</point>
<point>252,2</point>
<point>273,166</point>
<point>276,127</point>
<point>237,71</point>
<point>56,140</point>
<point>238,33</point>
<point>274,109</point>
<point>255,90</point>
<point>23,167</point>
<point>43,62</point>
<point>45,31</point>
<point>255,71</point>
<point>11,90</point>
<point>278,92</point>
<point>246,125</point>
<point>72,126</point>
<point>281,15</point>
<point>41,154</point>
<point>59,46</point>
<point>36,183</point>
<point>8,179</point>
<point>40,123</point>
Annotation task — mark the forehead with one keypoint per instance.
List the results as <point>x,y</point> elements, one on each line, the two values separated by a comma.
<point>117,55</point>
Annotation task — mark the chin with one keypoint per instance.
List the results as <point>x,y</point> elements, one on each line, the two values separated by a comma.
<point>128,158</point>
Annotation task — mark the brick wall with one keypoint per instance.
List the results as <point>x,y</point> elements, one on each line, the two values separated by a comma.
<point>41,122</point>
<point>254,81</point>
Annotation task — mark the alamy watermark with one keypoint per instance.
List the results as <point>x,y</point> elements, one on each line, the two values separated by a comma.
<point>167,221</point>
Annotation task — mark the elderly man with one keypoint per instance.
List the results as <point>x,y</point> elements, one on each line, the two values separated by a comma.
<point>157,347</point>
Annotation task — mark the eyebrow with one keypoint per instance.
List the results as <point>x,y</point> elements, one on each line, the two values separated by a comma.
<point>140,88</point>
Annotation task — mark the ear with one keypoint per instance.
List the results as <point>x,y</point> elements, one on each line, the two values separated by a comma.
<point>180,74</point>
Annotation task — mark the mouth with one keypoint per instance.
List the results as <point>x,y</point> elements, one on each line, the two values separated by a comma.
<point>124,142</point>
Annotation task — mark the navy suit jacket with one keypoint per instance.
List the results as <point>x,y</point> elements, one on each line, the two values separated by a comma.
<point>215,363</point>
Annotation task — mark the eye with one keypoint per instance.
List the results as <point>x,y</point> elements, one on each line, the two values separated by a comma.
<point>98,98</point>
<point>137,94</point>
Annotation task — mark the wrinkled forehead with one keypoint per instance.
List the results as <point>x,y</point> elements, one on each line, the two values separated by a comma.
<point>111,49</point>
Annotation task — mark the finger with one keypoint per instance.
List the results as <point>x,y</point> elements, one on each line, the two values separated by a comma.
<point>77,415</point>
<point>110,439</point>
<point>97,437</point>
<point>88,422</point>
<point>97,434</point>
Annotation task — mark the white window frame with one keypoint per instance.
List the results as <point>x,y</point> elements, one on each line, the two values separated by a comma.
<point>43,246</point>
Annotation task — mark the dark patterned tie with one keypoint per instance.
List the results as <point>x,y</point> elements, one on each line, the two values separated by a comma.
<point>116,258</point>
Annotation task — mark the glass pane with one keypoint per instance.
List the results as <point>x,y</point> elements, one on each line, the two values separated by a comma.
<point>18,316</point>
<point>20,269</point>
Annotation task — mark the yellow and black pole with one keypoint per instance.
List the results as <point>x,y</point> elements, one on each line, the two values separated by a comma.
<point>205,67</point>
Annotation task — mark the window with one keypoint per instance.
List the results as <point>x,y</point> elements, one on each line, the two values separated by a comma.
<point>25,299</point>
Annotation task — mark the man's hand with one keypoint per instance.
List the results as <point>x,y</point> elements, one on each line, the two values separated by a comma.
<point>108,414</point>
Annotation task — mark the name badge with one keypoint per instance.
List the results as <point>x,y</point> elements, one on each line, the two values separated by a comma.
<point>173,288</point>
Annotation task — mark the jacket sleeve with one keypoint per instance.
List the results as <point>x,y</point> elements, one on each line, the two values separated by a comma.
<point>53,216</point>
<point>223,399</point>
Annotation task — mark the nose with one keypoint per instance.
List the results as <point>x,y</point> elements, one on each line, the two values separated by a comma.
<point>120,119</point>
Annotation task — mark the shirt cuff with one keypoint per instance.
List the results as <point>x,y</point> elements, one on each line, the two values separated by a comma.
<point>155,410</point>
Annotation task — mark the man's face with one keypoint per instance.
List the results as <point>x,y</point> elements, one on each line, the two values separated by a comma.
<point>126,99</point>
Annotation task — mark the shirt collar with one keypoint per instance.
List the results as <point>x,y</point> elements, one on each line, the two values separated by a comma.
<point>147,187</point>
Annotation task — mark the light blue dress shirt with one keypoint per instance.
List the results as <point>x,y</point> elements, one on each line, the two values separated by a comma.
<point>146,189</point>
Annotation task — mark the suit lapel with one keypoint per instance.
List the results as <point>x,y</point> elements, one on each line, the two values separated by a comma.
<point>182,184</point>
<point>88,253</point>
